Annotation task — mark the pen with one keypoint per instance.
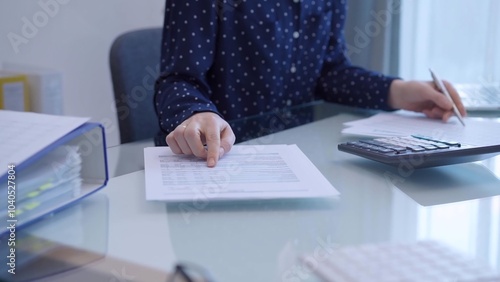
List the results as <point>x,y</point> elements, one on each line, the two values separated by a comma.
<point>440,85</point>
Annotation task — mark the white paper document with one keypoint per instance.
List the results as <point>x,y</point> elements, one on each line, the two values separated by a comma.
<point>24,134</point>
<point>246,172</point>
<point>403,123</point>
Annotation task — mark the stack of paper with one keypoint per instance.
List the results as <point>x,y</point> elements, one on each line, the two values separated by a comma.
<point>46,163</point>
<point>246,172</point>
<point>403,123</point>
<point>35,186</point>
<point>52,180</point>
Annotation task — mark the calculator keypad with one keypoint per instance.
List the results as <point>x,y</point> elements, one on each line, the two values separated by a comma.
<point>419,151</point>
<point>398,145</point>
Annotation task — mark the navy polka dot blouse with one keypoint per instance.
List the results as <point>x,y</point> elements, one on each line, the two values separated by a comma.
<point>240,58</point>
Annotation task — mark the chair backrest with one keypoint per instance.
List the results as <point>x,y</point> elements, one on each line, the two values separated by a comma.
<point>135,62</point>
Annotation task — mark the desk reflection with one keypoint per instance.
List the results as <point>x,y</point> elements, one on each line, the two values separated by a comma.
<point>60,242</point>
<point>261,240</point>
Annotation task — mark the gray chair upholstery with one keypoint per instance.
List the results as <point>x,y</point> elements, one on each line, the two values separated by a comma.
<point>134,62</point>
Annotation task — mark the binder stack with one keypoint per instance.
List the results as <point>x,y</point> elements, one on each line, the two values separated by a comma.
<point>47,163</point>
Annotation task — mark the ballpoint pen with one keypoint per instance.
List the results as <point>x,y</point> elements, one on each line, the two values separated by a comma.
<point>440,85</point>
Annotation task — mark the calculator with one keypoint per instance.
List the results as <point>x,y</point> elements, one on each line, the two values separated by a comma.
<point>418,151</point>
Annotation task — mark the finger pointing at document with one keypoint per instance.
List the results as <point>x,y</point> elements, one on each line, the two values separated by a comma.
<point>205,135</point>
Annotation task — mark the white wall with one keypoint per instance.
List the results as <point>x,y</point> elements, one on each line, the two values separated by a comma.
<point>74,37</point>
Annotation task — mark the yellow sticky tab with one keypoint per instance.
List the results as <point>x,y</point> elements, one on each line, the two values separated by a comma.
<point>31,206</point>
<point>33,194</point>
<point>45,186</point>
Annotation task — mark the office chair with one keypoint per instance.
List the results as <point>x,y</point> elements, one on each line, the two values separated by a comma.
<point>134,61</point>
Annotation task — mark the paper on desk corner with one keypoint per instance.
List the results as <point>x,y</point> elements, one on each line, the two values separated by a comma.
<point>247,172</point>
<point>403,123</point>
<point>423,261</point>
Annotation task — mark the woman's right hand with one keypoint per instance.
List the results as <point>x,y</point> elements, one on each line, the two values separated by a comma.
<point>205,128</point>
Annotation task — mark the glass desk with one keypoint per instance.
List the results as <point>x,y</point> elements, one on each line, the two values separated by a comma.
<point>129,157</point>
<point>457,205</point>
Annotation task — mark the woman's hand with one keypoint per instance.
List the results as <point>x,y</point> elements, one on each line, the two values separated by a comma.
<point>206,128</point>
<point>423,96</point>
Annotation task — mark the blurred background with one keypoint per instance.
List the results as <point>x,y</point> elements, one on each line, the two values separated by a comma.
<point>457,38</point>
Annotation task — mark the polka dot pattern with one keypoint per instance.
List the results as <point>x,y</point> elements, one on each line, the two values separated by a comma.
<point>245,57</point>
